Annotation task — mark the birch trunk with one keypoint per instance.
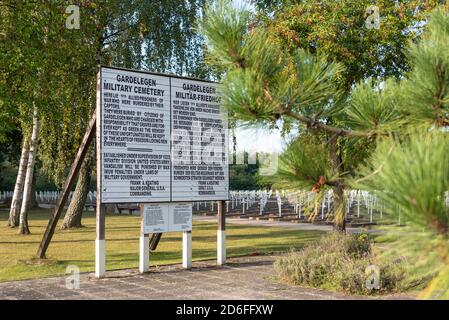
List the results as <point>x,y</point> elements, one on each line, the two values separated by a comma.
<point>75,211</point>
<point>33,200</point>
<point>23,223</point>
<point>14,212</point>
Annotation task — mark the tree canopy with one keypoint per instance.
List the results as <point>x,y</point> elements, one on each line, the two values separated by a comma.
<point>45,63</point>
<point>338,29</point>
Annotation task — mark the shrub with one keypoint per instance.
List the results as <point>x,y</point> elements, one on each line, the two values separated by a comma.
<point>339,262</point>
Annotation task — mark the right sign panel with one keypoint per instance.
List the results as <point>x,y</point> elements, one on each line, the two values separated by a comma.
<point>199,141</point>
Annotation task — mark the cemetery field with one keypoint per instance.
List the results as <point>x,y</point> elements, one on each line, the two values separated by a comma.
<point>76,247</point>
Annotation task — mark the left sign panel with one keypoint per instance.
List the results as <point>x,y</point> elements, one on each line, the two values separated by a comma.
<point>135,114</point>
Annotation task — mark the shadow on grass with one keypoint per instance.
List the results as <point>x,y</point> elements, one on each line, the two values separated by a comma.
<point>122,234</point>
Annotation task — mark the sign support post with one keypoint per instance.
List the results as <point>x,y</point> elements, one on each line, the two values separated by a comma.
<point>100,244</point>
<point>221,235</point>
<point>144,254</point>
<point>144,262</point>
<point>70,181</point>
<point>187,249</point>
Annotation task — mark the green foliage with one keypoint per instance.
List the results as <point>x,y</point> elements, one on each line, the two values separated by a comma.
<point>426,91</point>
<point>287,69</point>
<point>243,176</point>
<point>411,178</point>
<point>438,288</point>
<point>268,6</point>
<point>420,249</point>
<point>302,164</point>
<point>385,131</point>
<point>338,262</point>
<point>246,176</point>
<point>302,83</point>
<point>338,29</point>
<point>43,62</point>
<point>262,81</point>
<point>224,27</point>
<point>160,37</point>
<point>374,109</point>
<point>410,172</point>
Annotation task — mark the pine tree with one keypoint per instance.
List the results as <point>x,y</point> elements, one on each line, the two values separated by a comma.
<point>265,84</point>
<point>388,137</point>
<point>409,170</point>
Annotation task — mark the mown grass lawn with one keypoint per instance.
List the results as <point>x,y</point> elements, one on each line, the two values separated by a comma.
<point>76,247</point>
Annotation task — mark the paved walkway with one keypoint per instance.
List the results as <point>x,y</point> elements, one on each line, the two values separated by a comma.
<point>282,224</point>
<point>241,278</point>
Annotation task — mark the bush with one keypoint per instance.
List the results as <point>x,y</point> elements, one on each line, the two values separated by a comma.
<point>339,262</point>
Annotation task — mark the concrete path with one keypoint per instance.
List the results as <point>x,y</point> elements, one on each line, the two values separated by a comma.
<point>241,278</point>
<point>281,224</point>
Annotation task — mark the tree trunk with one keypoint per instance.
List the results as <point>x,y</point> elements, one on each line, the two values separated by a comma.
<point>75,211</point>
<point>33,200</point>
<point>23,223</point>
<point>14,212</point>
<point>339,203</point>
<point>339,209</point>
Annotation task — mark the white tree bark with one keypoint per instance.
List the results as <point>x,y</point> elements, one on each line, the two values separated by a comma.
<point>14,212</point>
<point>23,225</point>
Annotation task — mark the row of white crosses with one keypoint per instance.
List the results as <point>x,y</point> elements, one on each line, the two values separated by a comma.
<point>279,202</point>
<point>247,199</point>
<point>263,200</point>
<point>362,197</point>
<point>92,196</point>
<point>304,199</point>
<point>52,196</point>
<point>206,204</point>
<point>243,200</point>
<point>6,195</point>
<point>261,197</point>
<point>48,197</point>
<point>41,196</point>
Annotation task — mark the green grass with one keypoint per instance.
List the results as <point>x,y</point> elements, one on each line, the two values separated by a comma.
<point>76,247</point>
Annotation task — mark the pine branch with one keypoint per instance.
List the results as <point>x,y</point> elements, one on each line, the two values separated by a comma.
<point>313,123</point>
<point>439,94</point>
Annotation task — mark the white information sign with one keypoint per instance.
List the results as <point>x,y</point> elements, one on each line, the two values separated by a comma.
<point>163,138</point>
<point>167,217</point>
<point>180,217</point>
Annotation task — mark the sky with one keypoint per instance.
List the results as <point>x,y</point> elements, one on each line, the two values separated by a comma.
<point>240,3</point>
<point>259,140</point>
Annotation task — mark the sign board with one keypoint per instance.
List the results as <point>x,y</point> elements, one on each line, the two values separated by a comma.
<point>163,138</point>
<point>167,217</point>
